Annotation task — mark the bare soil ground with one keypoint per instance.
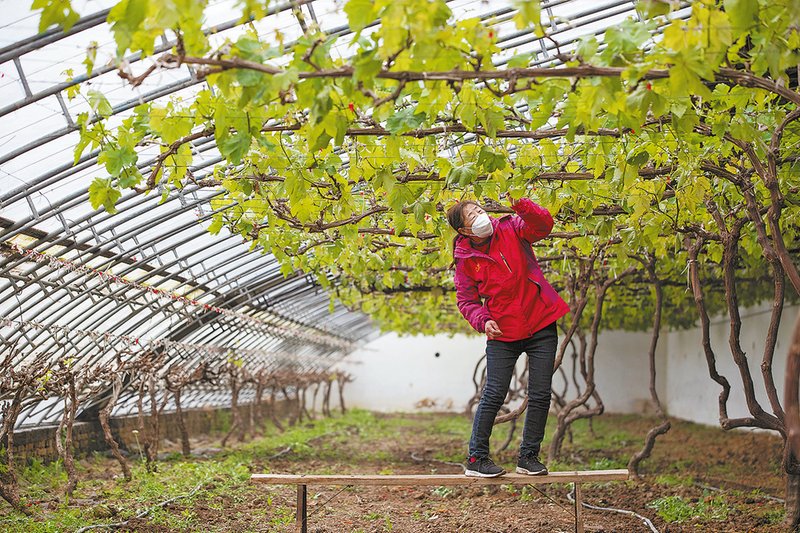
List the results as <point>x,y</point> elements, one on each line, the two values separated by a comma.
<point>736,476</point>
<point>742,464</point>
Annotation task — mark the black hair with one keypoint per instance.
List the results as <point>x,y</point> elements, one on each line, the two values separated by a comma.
<point>455,217</point>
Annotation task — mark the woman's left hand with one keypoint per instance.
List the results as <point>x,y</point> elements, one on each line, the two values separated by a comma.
<point>492,330</point>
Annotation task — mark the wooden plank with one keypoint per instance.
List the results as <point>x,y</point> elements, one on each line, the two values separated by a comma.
<point>588,476</point>
<point>302,509</point>
<point>578,507</point>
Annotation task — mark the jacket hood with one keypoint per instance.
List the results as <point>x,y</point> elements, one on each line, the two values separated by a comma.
<point>464,249</point>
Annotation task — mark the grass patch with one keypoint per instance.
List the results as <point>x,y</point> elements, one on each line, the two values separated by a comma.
<point>458,427</point>
<point>675,509</point>
<point>355,428</point>
<point>224,478</point>
<point>365,442</point>
<point>671,480</point>
<point>773,516</point>
<point>605,463</point>
<point>38,473</point>
<point>442,492</point>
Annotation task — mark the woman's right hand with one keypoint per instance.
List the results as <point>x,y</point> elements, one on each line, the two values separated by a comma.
<point>492,330</point>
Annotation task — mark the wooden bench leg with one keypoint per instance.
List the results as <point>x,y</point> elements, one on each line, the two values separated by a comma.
<point>302,520</point>
<point>578,508</point>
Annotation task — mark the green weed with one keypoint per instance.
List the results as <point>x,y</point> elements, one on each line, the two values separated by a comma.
<point>774,516</point>
<point>224,421</point>
<point>559,466</point>
<point>353,429</point>
<point>775,466</point>
<point>674,509</point>
<point>52,474</point>
<point>425,515</point>
<point>283,515</point>
<point>174,521</point>
<point>680,465</point>
<point>459,427</point>
<point>672,480</point>
<point>455,457</point>
<point>443,492</point>
<point>65,520</point>
<point>606,463</point>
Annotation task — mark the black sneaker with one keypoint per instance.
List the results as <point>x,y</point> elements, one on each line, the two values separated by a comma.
<point>530,465</point>
<point>482,467</point>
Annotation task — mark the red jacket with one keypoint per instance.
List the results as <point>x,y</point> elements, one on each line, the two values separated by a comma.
<point>506,284</point>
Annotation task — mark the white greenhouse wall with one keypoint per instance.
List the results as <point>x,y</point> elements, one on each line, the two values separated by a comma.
<point>403,373</point>
<point>396,373</point>
<point>691,392</point>
<point>622,371</point>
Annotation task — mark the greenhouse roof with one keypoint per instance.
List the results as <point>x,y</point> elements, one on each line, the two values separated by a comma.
<point>82,284</point>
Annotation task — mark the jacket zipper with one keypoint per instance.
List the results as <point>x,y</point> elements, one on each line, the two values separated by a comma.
<point>506,262</point>
<point>541,294</point>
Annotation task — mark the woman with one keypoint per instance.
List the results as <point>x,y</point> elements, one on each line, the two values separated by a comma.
<point>502,292</point>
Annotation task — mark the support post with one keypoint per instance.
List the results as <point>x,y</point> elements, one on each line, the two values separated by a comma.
<point>302,520</point>
<point>578,507</point>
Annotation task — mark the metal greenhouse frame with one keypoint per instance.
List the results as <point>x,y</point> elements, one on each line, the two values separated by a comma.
<point>92,287</point>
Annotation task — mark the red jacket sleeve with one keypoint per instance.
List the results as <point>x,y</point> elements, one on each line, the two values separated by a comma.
<point>534,221</point>
<point>469,301</point>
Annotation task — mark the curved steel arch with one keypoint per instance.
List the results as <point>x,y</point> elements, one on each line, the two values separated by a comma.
<point>165,246</point>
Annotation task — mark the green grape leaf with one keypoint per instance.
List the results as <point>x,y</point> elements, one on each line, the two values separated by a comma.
<point>129,177</point>
<point>404,120</point>
<point>236,147</point>
<point>462,175</point>
<point>126,18</point>
<point>102,193</point>
<point>55,12</point>
<point>216,225</point>
<point>491,161</point>
<point>492,120</point>
<point>743,15</point>
<point>99,103</point>
<point>360,13</point>
<point>322,141</point>
<point>251,78</point>
<point>528,13</point>
<point>643,100</point>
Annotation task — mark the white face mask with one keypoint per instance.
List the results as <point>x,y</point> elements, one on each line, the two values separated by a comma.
<point>482,226</point>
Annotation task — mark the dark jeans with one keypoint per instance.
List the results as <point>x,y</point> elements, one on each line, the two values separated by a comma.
<point>501,356</point>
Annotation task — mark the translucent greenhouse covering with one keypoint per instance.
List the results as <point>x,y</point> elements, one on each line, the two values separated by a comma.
<point>89,287</point>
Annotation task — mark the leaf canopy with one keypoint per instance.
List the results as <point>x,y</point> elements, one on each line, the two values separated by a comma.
<point>341,156</point>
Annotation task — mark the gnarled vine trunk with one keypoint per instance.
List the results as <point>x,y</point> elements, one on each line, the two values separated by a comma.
<point>143,433</point>
<point>792,443</point>
<point>67,422</point>
<point>729,228</point>
<point>9,482</point>
<point>663,427</point>
<point>326,398</point>
<point>318,384</point>
<point>273,412</point>
<point>342,379</point>
<point>235,418</point>
<point>104,415</point>
<point>570,413</point>
<point>186,448</point>
<point>479,384</point>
